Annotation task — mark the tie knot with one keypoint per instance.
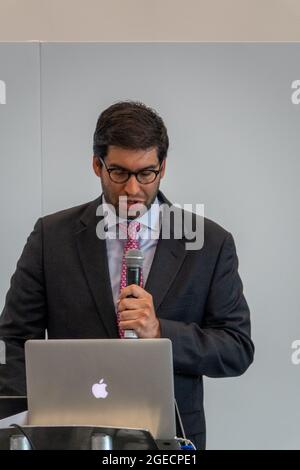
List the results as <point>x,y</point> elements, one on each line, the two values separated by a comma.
<point>133,229</point>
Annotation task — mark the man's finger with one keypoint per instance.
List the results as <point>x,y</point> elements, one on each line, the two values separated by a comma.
<point>134,290</point>
<point>131,304</point>
<point>130,315</point>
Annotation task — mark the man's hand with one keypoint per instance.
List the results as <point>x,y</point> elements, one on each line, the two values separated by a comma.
<point>138,313</point>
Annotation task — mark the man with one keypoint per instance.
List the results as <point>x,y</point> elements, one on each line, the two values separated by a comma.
<point>69,279</point>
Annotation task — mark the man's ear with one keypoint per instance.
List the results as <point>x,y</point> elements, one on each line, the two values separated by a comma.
<point>97,166</point>
<point>163,168</point>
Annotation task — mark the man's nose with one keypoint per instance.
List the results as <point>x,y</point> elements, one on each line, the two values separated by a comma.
<point>132,185</point>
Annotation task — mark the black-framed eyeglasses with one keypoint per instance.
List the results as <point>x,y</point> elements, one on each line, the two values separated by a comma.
<point>121,176</point>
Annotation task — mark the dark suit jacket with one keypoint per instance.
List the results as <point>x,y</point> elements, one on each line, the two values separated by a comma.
<point>62,285</point>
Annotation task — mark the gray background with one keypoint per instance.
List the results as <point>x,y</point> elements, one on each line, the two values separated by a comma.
<point>234,147</point>
<point>20,153</point>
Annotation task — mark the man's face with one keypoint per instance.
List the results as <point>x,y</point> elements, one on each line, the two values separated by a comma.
<point>137,194</point>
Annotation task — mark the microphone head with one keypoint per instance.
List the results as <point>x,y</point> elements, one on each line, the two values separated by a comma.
<point>134,259</point>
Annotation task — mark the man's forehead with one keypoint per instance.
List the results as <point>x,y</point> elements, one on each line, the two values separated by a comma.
<point>131,157</point>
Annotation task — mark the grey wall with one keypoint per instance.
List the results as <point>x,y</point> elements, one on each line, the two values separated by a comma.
<point>20,152</point>
<point>234,147</point>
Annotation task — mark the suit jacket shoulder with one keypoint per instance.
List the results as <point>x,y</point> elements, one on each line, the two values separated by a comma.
<point>70,217</point>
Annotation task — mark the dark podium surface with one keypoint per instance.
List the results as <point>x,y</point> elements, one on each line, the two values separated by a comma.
<point>76,437</point>
<point>80,438</point>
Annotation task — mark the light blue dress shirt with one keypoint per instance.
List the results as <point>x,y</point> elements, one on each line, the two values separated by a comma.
<point>148,236</point>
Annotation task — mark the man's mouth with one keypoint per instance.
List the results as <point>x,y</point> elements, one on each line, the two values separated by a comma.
<point>134,201</point>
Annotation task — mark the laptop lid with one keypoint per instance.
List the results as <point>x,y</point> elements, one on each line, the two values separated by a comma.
<point>102,382</point>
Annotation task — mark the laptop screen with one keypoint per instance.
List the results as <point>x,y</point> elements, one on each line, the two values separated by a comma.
<point>102,382</point>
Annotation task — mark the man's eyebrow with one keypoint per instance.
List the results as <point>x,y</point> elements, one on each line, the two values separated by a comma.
<point>119,167</point>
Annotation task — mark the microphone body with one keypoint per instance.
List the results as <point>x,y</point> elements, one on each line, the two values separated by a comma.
<point>133,275</point>
<point>134,265</point>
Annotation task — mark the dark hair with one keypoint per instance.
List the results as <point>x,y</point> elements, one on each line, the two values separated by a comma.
<point>131,125</point>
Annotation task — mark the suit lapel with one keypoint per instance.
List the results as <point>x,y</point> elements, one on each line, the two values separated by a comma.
<point>169,256</point>
<point>93,256</point>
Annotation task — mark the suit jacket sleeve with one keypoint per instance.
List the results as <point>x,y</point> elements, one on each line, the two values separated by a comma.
<point>219,345</point>
<point>24,314</point>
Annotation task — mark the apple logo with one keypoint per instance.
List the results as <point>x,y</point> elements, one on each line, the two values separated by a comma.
<point>99,389</point>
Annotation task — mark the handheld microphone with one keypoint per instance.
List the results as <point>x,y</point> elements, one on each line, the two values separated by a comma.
<point>134,265</point>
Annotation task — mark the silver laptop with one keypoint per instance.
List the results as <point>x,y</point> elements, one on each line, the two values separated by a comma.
<point>102,382</point>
